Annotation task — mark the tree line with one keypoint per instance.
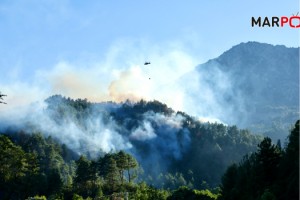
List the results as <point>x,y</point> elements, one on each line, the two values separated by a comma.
<point>38,167</point>
<point>272,172</point>
<point>34,167</point>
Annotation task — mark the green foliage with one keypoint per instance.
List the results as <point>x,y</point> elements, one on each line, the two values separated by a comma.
<point>268,158</point>
<point>111,177</point>
<point>54,171</point>
<point>82,169</point>
<point>37,198</point>
<point>206,194</point>
<point>131,166</point>
<point>229,181</point>
<point>172,181</point>
<point>289,167</point>
<point>12,160</point>
<point>270,173</point>
<point>185,193</point>
<point>18,170</point>
<point>267,195</point>
<point>126,165</point>
<point>77,197</point>
<point>122,164</point>
<point>145,192</point>
<point>87,181</point>
<point>216,146</point>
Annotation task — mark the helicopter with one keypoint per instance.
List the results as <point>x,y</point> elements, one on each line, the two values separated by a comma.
<point>147,63</point>
<point>1,98</point>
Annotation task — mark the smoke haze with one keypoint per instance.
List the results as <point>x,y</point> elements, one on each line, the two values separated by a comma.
<point>207,92</point>
<point>118,76</point>
<point>156,138</point>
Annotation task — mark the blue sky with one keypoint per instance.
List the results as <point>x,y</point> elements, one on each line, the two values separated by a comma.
<point>40,40</point>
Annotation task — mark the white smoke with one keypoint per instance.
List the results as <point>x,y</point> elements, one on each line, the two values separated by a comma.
<point>117,76</point>
<point>95,138</point>
<point>209,94</point>
<point>168,139</point>
<point>143,132</point>
<point>98,132</point>
<point>120,75</point>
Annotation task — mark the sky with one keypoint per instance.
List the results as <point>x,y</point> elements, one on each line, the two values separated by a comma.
<point>96,49</point>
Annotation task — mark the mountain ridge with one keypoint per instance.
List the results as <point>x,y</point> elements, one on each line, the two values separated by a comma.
<point>247,84</point>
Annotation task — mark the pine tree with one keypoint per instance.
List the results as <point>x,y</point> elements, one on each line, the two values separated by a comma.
<point>289,173</point>
<point>268,157</point>
<point>112,174</point>
<point>229,183</point>
<point>132,164</point>
<point>122,163</point>
<point>82,176</point>
<point>16,168</point>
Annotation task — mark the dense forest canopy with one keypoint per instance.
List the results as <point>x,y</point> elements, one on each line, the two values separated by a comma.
<point>161,139</point>
<point>272,172</point>
<point>153,153</point>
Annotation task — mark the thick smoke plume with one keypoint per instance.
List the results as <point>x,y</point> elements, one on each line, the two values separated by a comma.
<point>156,138</point>
<point>122,75</point>
<point>119,76</point>
<point>92,137</point>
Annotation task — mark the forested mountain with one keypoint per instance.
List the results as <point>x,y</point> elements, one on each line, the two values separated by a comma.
<point>184,164</point>
<point>163,141</point>
<point>172,148</point>
<point>253,85</point>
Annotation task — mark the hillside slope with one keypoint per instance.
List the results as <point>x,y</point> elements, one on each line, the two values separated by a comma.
<point>173,148</point>
<point>253,85</point>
